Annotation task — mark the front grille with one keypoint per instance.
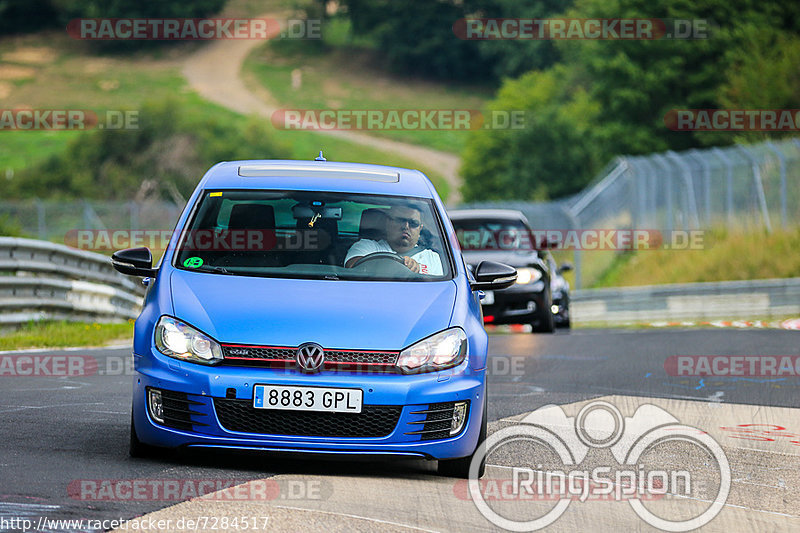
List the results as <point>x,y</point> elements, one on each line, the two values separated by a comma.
<point>436,425</point>
<point>264,353</point>
<point>177,410</point>
<point>283,357</point>
<point>372,421</point>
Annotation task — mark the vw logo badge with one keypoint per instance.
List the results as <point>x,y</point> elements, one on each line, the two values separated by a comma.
<point>310,357</point>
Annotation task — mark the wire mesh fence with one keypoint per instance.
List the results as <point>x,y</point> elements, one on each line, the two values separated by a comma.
<point>738,187</point>
<point>58,221</point>
<point>753,186</point>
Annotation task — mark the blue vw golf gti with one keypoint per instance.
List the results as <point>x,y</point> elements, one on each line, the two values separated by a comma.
<point>312,307</point>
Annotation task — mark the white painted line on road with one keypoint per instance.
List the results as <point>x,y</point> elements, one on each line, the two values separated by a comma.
<point>67,349</point>
<point>348,515</point>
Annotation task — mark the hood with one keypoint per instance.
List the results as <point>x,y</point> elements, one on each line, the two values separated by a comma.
<point>361,315</point>
<point>510,258</point>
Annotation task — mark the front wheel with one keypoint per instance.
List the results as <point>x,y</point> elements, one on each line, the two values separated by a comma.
<point>137,448</point>
<point>460,467</point>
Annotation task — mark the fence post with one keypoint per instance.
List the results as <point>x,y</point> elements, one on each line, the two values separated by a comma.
<point>134,207</point>
<point>706,184</point>
<point>689,184</point>
<point>762,199</point>
<point>668,215</point>
<point>782,159</point>
<point>728,180</point>
<point>575,224</point>
<point>41,220</point>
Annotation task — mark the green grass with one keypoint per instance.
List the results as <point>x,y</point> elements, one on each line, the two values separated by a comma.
<point>725,256</point>
<point>65,334</point>
<point>85,80</point>
<point>348,77</point>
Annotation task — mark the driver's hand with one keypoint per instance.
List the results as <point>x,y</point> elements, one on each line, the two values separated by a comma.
<point>412,265</point>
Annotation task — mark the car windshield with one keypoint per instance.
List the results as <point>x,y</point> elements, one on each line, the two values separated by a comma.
<point>492,234</point>
<point>314,235</point>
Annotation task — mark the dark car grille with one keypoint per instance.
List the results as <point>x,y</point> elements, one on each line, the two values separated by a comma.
<point>283,357</point>
<point>177,410</point>
<point>437,421</point>
<point>372,421</point>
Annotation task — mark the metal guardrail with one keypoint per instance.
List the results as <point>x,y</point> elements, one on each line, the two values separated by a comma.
<point>770,298</point>
<point>40,280</point>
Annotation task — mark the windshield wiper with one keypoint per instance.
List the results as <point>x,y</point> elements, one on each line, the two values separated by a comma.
<point>218,269</point>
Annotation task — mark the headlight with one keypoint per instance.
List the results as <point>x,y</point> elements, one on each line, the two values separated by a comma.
<point>181,341</point>
<point>445,349</point>
<point>528,275</point>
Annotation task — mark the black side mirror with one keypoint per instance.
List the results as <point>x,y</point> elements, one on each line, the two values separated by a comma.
<point>565,267</point>
<point>493,276</point>
<point>134,262</point>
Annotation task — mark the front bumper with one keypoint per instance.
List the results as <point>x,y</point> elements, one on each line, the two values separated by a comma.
<point>519,304</point>
<point>208,389</point>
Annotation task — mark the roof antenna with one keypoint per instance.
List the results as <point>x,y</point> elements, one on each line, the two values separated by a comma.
<point>320,157</point>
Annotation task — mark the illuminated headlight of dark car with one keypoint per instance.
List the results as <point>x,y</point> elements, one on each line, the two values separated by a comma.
<point>181,341</point>
<point>527,275</point>
<point>445,349</point>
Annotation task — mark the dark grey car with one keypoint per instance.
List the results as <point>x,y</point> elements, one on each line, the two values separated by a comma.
<point>503,236</point>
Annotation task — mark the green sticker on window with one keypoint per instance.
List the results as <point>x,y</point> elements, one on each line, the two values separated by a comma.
<point>193,262</point>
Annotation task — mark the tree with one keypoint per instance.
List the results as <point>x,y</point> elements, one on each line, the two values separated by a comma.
<point>626,87</point>
<point>554,154</point>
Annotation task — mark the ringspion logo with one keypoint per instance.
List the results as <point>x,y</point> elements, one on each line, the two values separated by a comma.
<point>633,479</point>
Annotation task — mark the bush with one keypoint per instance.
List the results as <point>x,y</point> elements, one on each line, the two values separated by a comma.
<point>171,145</point>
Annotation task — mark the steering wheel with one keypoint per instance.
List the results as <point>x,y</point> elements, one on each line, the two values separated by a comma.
<point>379,255</point>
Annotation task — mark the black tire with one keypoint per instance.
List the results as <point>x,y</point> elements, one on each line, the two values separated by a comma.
<point>544,323</point>
<point>459,468</point>
<point>137,448</point>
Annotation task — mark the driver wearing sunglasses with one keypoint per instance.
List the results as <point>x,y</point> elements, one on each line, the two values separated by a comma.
<point>403,227</point>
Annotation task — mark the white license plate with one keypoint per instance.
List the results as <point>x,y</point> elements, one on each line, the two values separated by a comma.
<point>488,299</point>
<point>307,398</point>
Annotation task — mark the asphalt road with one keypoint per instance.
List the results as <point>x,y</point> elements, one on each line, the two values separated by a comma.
<point>57,431</point>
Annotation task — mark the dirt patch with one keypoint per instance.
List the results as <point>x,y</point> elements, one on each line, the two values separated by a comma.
<point>14,72</point>
<point>94,65</point>
<point>31,56</point>
<point>108,85</point>
<point>5,89</point>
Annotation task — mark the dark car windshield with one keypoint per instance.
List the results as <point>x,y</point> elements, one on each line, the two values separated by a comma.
<point>317,235</point>
<point>492,234</point>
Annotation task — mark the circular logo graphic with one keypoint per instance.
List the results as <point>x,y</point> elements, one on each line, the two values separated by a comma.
<point>193,262</point>
<point>600,424</point>
<point>310,357</point>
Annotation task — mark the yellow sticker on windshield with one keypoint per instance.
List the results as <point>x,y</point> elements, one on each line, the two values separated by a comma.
<point>213,194</point>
